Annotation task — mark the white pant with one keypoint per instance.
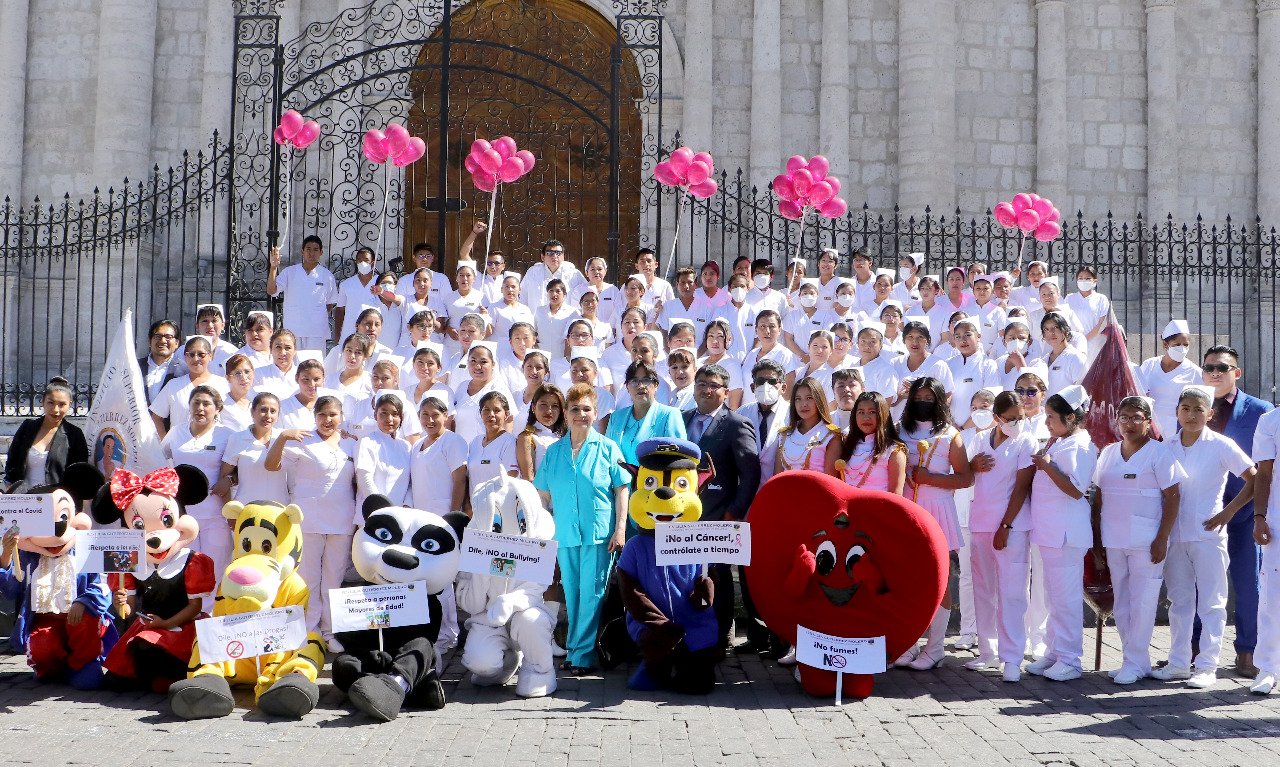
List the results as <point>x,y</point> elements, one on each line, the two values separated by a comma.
<point>447,639</point>
<point>1267,655</point>
<point>1000,594</point>
<point>1135,581</point>
<point>1195,573</point>
<point>968,625</point>
<point>493,653</point>
<point>1063,578</point>
<point>324,561</point>
<point>1037,620</point>
<point>316,343</point>
<point>214,541</point>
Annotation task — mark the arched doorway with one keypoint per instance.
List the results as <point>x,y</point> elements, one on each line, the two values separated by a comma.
<point>541,72</point>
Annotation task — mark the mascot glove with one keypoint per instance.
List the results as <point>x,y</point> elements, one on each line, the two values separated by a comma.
<point>704,592</point>
<point>504,606</point>
<point>382,660</point>
<point>660,639</point>
<point>801,572</point>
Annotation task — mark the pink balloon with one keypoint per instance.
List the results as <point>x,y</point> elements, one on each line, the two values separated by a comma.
<point>819,166</point>
<point>1005,216</point>
<point>291,122</point>
<point>665,175</point>
<point>1033,197</point>
<point>374,155</point>
<point>511,169</point>
<point>704,190</point>
<point>490,161</point>
<point>470,164</point>
<point>278,135</point>
<point>698,172</point>
<point>1042,207</point>
<point>783,188</point>
<point>484,182</point>
<point>375,146</point>
<point>680,160</point>
<point>1053,216</point>
<point>795,162</point>
<point>527,158</point>
<point>1028,220</point>
<point>1048,231</point>
<point>506,146</point>
<point>801,180</point>
<point>835,185</point>
<point>309,133</point>
<point>834,208</point>
<point>397,138</point>
<point>1020,202</point>
<point>480,146</point>
<point>412,153</point>
<point>706,158</point>
<point>820,192</point>
<point>790,209</point>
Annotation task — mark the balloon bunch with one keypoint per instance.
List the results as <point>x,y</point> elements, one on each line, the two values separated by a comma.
<point>492,164</point>
<point>393,144</point>
<point>690,173</point>
<point>805,188</point>
<point>1032,215</point>
<point>293,132</point>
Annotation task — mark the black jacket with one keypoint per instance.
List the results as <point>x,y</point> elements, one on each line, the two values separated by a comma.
<point>730,440</point>
<point>177,369</point>
<point>68,447</point>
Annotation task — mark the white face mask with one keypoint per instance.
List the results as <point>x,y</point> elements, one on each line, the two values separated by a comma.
<point>808,302</point>
<point>364,267</point>
<point>1085,286</point>
<point>904,273</point>
<point>983,418</point>
<point>761,281</point>
<point>768,395</point>
<point>1014,428</point>
<point>738,294</point>
<point>1016,345</point>
<point>845,300</point>
<point>1178,353</point>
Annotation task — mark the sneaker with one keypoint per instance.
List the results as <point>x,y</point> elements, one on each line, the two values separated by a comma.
<point>1203,680</point>
<point>1126,676</point>
<point>557,651</point>
<point>1061,672</point>
<point>907,657</point>
<point>789,659</point>
<point>965,642</point>
<point>1012,672</point>
<point>1264,684</point>
<point>980,664</point>
<point>1171,673</point>
<point>1038,667</point>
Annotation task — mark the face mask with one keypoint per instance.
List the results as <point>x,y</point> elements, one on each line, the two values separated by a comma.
<point>1016,345</point>
<point>904,273</point>
<point>364,267</point>
<point>845,300</point>
<point>761,281</point>
<point>1084,286</point>
<point>768,395</point>
<point>738,294</point>
<point>1012,428</point>
<point>982,419</point>
<point>808,302</point>
<point>923,411</point>
<point>1178,353</point>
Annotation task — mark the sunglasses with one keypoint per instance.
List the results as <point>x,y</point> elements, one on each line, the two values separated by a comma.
<point>1027,392</point>
<point>763,381</point>
<point>1218,367</point>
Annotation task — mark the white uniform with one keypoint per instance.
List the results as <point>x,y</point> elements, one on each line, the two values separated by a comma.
<point>431,468</point>
<point>441,288</point>
<point>236,417</point>
<point>382,467</point>
<point>1091,310</point>
<point>503,316</point>
<point>253,481</point>
<point>465,408</point>
<point>1195,570</point>
<point>488,461</point>
<point>1131,511</point>
<point>779,354</point>
<point>361,419</point>
<point>1067,369</point>
<point>741,320</point>
<point>610,303</point>
<point>1165,388</point>
<point>759,300</point>
<point>551,327</point>
<point>932,367</point>
<point>801,325</point>
<point>173,401</point>
<point>1266,447</point>
<point>205,453</point>
<point>968,375</point>
<point>533,287</point>
<point>307,296</point>
<point>282,383</point>
<point>354,297</point>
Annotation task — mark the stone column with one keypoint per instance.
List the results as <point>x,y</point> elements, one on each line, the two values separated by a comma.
<point>833,100</point>
<point>13,94</point>
<point>1162,109</point>
<point>1051,99</point>
<point>926,105</point>
<point>698,54</point>
<point>1269,112</point>
<point>766,92</point>
<point>126,72</point>
<point>215,90</point>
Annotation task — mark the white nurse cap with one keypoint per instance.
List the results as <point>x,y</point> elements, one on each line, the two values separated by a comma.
<point>1075,396</point>
<point>1175,328</point>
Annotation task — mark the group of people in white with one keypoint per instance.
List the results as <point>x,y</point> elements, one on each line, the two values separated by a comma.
<point>961,391</point>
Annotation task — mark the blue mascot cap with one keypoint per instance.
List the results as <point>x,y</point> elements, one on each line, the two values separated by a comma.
<point>668,453</point>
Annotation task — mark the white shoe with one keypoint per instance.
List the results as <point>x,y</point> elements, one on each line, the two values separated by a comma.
<point>907,657</point>
<point>1263,684</point>
<point>927,660</point>
<point>557,651</point>
<point>1203,680</point>
<point>1012,672</point>
<point>1126,676</point>
<point>1038,667</point>
<point>789,659</point>
<point>333,644</point>
<point>980,664</point>
<point>1171,673</point>
<point>1061,672</point>
<point>1036,651</point>
<point>965,642</point>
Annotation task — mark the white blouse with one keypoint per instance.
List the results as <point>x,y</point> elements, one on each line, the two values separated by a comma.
<point>1057,519</point>
<point>993,489</point>
<point>466,408</point>
<point>205,453</point>
<point>431,468</point>
<point>485,462</point>
<point>1132,499</point>
<point>321,480</point>
<point>235,417</point>
<point>382,467</point>
<point>253,481</point>
<point>173,401</point>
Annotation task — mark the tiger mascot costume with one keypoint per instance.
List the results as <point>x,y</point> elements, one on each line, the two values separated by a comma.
<point>262,575</point>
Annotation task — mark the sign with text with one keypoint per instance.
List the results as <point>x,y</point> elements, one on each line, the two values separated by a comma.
<point>380,607</point>
<point>508,556</point>
<point>109,551</point>
<point>697,543</point>
<point>864,655</point>
<point>31,514</point>
<point>249,635</point>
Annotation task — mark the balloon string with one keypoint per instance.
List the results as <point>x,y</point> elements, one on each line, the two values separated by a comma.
<point>288,203</point>
<point>488,233</point>
<point>675,241</point>
<point>382,220</point>
<point>1022,243</point>
<point>804,214</point>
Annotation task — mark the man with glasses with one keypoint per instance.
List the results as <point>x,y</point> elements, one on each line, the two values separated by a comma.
<point>533,288</point>
<point>1235,415</point>
<point>729,440</point>
<point>424,257</point>
<point>495,268</point>
<point>161,364</point>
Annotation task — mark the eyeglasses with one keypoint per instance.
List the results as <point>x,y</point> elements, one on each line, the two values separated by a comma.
<point>493,263</point>
<point>164,337</point>
<point>1132,419</point>
<point>1218,367</point>
<point>643,382</point>
<point>553,252</point>
<point>708,385</point>
<point>580,336</point>
<point>763,381</point>
<point>1027,392</point>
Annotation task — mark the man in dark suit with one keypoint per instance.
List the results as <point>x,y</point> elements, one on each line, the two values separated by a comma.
<point>1235,415</point>
<point>162,363</point>
<point>730,441</point>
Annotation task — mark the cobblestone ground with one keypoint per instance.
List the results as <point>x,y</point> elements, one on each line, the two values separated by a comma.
<point>756,716</point>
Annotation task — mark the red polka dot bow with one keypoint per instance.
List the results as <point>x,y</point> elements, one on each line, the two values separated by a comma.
<point>125,485</point>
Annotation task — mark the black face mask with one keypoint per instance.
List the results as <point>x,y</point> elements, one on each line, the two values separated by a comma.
<point>923,411</point>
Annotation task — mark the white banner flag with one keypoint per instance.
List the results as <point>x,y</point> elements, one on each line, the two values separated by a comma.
<point>120,430</point>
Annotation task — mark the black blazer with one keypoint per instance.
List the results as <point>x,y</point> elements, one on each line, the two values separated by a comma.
<point>68,447</point>
<point>176,370</point>
<point>730,440</point>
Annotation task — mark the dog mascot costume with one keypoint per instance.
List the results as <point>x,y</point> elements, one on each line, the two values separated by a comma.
<point>669,613</point>
<point>263,574</point>
<point>399,545</point>
<point>510,627</point>
<point>164,598</point>
<point>62,619</point>
<point>846,562</point>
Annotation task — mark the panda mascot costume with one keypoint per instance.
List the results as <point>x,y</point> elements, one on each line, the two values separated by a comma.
<point>510,627</point>
<point>399,545</point>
